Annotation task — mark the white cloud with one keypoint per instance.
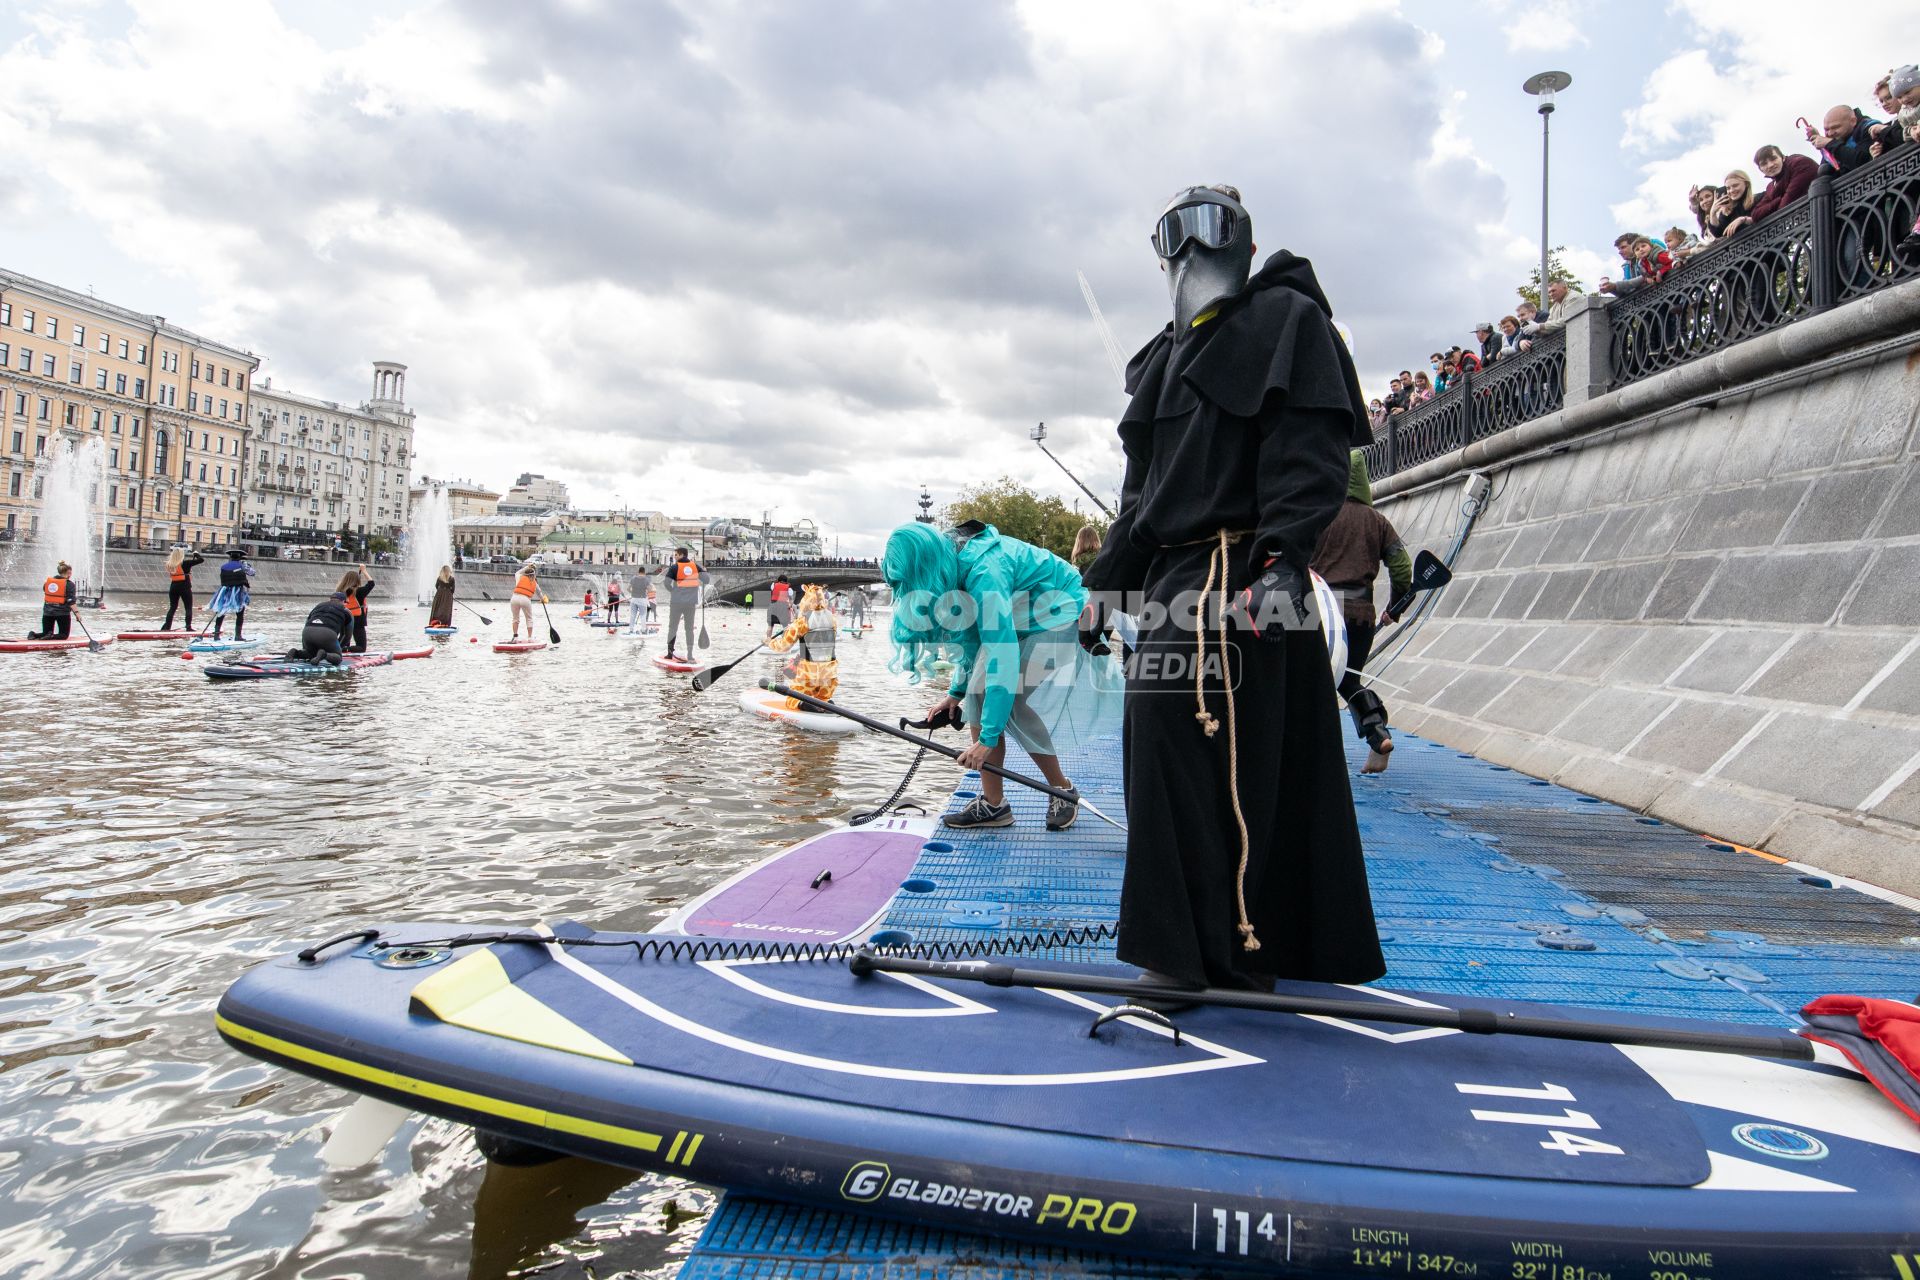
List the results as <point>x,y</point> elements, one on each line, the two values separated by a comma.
<point>1742,74</point>
<point>701,254</point>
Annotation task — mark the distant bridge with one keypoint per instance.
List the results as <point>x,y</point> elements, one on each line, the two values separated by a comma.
<point>730,581</point>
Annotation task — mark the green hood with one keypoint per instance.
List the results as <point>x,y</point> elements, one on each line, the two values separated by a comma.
<point>1359,487</point>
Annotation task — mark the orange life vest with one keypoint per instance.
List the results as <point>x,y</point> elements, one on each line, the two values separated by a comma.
<point>56,590</point>
<point>354,606</point>
<point>686,573</point>
<point>781,592</point>
<point>178,573</point>
<point>526,586</point>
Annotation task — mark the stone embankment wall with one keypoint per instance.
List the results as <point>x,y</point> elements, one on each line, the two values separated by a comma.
<point>138,572</point>
<point>1699,596</point>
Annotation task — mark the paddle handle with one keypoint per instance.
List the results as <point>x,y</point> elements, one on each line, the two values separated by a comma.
<point>950,753</point>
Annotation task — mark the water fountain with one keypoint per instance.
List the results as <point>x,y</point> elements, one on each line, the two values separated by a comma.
<point>430,540</point>
<point>72,482</point>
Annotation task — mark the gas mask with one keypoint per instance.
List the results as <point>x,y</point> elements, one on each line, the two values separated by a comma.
<point>1205,242</point>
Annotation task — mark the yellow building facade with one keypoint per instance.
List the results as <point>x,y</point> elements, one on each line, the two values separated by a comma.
<point>168,406</point>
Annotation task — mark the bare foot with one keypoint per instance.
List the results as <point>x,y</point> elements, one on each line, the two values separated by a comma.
<point>1377,756</point>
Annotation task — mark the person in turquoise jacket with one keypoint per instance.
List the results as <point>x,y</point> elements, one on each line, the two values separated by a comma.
<point>1006,614</point>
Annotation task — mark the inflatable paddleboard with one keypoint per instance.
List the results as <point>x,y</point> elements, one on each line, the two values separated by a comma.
<point>519,646</point>
<point>156,635</point>
<point>48,646</point>
<point>1249,1139</point>
<point>210,645</point>
<point>267,668</point>
<point>773,706</point>
<point>682,665</point>
<point>833,887</point>
<point>442,631</point>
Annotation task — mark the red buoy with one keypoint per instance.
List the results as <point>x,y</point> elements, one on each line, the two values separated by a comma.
<point>186,657</point>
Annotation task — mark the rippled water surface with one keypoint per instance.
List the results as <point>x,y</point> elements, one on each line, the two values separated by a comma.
<point>159,833</point>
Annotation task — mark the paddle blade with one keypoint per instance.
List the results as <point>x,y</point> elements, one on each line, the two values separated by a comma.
<point>704,680</point>
<point>704,642</point>
<point>1429,572</point>
<point>553,634</point>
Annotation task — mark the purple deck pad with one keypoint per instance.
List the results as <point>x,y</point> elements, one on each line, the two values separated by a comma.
<point>776,901</point>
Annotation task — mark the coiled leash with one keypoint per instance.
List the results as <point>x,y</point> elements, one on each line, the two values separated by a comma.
<point>951,718</point>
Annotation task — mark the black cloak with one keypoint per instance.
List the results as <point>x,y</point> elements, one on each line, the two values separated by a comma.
<point>1243,423</point>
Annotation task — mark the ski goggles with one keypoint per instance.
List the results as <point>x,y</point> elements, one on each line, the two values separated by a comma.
<point>1213,225</point>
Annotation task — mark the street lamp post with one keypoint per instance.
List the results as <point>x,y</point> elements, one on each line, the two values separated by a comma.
<point>1543,87</point>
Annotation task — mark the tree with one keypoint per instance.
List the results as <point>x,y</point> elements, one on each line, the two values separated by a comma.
<point>1556,270</point>
<point>1019,512</point>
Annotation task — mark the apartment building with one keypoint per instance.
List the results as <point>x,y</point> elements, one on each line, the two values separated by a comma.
<point>168,406</point>
<point>321,465</point>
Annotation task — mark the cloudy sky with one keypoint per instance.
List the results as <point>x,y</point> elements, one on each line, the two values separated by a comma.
<point>717,257</point>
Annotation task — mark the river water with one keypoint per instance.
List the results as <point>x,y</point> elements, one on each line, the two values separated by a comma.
<point>159,833</point>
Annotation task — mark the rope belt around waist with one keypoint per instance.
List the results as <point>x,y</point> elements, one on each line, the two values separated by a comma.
<point>1219,566</point>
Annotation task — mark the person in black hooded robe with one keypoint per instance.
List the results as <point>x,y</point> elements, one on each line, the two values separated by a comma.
<point>1236,438</point>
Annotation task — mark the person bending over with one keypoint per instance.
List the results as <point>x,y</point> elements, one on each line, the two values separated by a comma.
<point>1009,613</point>
<point>328,624</point>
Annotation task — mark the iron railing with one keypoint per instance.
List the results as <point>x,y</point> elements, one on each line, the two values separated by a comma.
<point>1728,292</point>
<point>1476,406</point>
<point>1829,247</point>
<point>1873,210</point>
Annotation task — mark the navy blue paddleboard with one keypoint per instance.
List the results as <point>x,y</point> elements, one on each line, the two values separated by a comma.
<point>1251,1139</point>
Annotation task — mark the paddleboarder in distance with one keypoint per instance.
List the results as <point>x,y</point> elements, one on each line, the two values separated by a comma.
<point>779,603</point>
<point>180,563</point>
<point>1243,852</point>
<point>440,612</point>
<point>684,576</point>
<point>613,598</point>
<point>358,585</point>
<point>1008,613</point>
<point>1349,557</point>
<point>235,593</point>
<point>525,587</point>
<point>328,625</point>
<point>57,598</point>
<point>811,634</point>
<point>642,599</point>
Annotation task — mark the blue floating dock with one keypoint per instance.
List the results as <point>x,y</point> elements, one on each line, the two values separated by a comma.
<point>1486,883</point>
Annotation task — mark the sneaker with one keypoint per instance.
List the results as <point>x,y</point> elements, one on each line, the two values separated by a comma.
<point>1061,813</point>
<point>980,813</point>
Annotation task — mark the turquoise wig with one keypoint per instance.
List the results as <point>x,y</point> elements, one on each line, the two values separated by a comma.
<point>922,566</point>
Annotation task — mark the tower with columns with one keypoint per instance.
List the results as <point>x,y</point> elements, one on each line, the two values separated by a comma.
<point>389,385</point>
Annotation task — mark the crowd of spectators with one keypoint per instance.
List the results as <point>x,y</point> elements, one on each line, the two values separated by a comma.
<point>1845,139</point>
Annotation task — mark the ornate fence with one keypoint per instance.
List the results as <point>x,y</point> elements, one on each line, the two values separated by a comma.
<point>1476,406</point>
<point>1872,211</point>
<point>1829,247</point>
<point>1758,280</point>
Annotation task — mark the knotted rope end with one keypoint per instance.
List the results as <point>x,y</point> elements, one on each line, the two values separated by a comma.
<point>1247,941</point>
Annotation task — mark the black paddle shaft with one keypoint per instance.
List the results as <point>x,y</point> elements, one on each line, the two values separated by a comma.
<point>834,708</point>
<point>1475,1021</point>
